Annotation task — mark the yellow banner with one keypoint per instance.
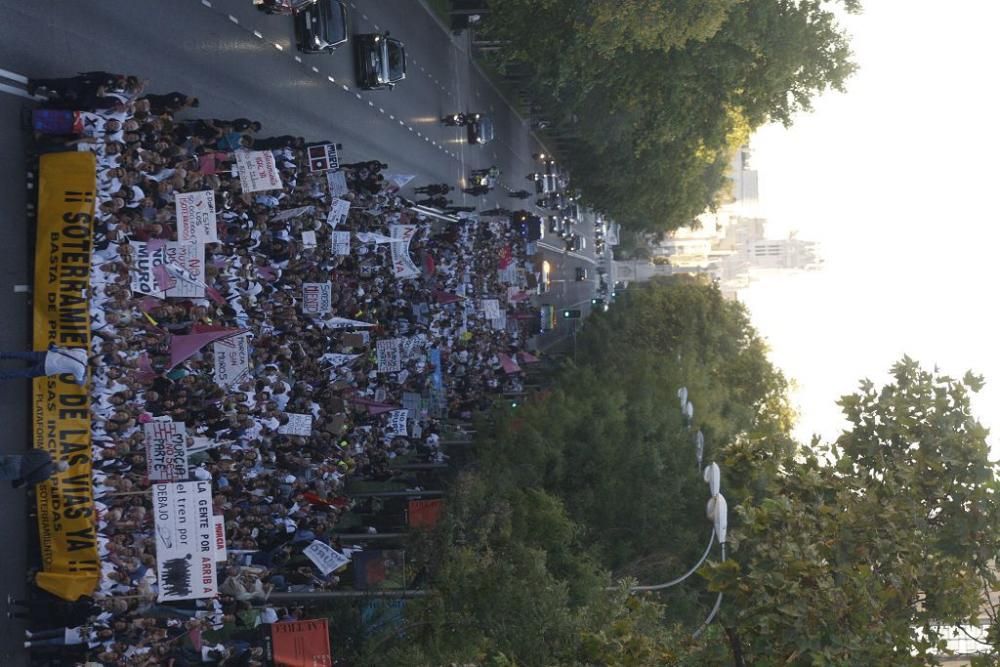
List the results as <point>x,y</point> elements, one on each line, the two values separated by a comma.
<point>60,408</point>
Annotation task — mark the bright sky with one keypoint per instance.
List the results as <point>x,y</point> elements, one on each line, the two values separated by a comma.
<point>896,179</point>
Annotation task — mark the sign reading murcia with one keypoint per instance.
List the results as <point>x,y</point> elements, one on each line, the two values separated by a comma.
<point>257,171</point>
<point>232,359</point>
<point>196,216</point>
<point>166,451</point>
<point>185,540</point>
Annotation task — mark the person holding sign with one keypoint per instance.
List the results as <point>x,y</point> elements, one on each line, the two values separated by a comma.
<point>54,361</point>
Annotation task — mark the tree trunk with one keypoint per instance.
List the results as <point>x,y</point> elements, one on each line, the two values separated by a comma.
<point>736,647</point>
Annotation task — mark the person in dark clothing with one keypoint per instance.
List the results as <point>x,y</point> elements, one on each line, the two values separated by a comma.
<point>274,143</point>
<point>459,209</point>
<point>170,103</point>
<point>434,189</point>
<point>478,190</point>
<point>80,86</point>
<point>519,194</point>
<point>242,125</point>
<point>373,166</point>
<point>437,202</point>
<point>31,468</point>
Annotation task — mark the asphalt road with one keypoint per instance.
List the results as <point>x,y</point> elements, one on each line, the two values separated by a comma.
<point>240,62</point>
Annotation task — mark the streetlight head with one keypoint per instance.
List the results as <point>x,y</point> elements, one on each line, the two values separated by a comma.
<point>712,477</point>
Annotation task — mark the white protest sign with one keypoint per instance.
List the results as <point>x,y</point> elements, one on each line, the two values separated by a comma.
<point>309,239</point>
<point>397,423</point>
<point>337,183</point>
<point>144,261</point>
<point>257,171</point>
<point>196,216</point>
<point>402,264</point>
<point>190,257</point>
<point>338,212</point>
<point>388,354</point>
<point>219,534</point>
<point>166,451</point>
<point>298,424</point>
<point>344,323</point>
<point>325,558</point>
<point>373,237</point>
<point>491,309</point>
<point>340,243</point>
<point>232,359</point>
<point>185,544</point>
<point>317,297</point>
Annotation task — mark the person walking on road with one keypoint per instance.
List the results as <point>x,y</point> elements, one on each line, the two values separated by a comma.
<point>433,189</point>
<point>54,361</point>
<point>30,468</point>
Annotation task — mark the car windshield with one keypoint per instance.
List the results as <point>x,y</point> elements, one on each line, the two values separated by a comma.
<point>397,60</point>
<point>334,25</point>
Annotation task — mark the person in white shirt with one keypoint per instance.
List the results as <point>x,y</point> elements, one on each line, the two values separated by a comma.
<point>54,361</point>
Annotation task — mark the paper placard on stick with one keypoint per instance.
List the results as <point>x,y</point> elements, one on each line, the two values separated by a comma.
<point>289,213</point>
<point>219,534</point>
<point>337,183</point>
<point>339,209</point>
<point>166,451</point>
<point>341,243</point>
<point>389,355</point>
<point>317,297</point>
<point>191,258</point>
<point>257,171</point>
<point>298,424</point>
<point>196,216</point>
<point>402,263</point>
<point>325,558</point>
<point>232,359</point>
<point>309,239</point>
<point>491,309</point>
<point>322,157</point>
<point>397,423</point>
<point>185,544</point>
<point>145,258</point>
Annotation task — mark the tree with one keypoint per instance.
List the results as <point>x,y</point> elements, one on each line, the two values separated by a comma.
<point>861,550</point>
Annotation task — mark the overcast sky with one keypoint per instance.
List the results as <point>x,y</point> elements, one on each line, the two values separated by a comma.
<point>897,180</point>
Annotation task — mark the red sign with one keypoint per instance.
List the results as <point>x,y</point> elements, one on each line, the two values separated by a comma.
<point>301,644</point>
<point>424,513</point>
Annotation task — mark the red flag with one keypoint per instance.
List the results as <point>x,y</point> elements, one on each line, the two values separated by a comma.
<point>527,358</point>
<point>185,347</point>
<point>506,257</point>
<point>509,365</point>
<point>446,297</point>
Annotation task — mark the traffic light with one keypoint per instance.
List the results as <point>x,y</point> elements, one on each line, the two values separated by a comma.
<point>572,314</point>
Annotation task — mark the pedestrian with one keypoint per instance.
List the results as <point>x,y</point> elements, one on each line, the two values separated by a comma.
<point>519,194</point>
<point>30,468</point>
<point>54,361</point>
<point>170,103</point>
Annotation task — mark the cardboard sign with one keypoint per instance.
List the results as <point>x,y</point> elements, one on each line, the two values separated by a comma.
<point>232,359</point>
<point>144,263</point>
<point>166,451</point>
<point>309,239</point>
<point>491,309</point>
<point>317,297</point>
<point>424,513</point>
<point>191,258</point>
<point>298,424</point>
<point>341,242</point>
<point>397,423</point>
<point>337,183</point>
<point>257,171</point>
<point>322,157</point>
<point>290,213</point>
<point>324,557</point>
<point>196,216</point>
<point>402,263</point>
<point>338,212</point>
<point>185,544</point>
<point>388,354</point>
<point>299,644</point>
<point>219,533</point>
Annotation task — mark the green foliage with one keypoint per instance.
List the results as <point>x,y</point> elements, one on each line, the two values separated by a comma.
<point>655,94</point>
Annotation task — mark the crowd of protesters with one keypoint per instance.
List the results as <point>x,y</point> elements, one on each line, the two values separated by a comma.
<point>276,491</point>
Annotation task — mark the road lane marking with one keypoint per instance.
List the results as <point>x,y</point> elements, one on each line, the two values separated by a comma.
<point>315,69</point>
<point>345,87</point>
<point>207,3</point>
<point>13,76</point>
<point>370,103</point>
<point>278,46</point>
<point>234,19</point>
<point>357,95</point>
<point>256,33</point>
<point>297,59</point>
<point>11,90</point>
<point>331,79</point>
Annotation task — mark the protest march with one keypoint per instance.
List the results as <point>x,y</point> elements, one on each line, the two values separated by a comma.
<point>263,328</point>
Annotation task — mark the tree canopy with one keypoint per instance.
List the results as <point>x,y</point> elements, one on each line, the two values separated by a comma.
<point>654,95</point>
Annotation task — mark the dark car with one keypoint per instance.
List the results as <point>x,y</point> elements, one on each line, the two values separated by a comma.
<point>581,273</point>
<point>480,129</point>
<point>527,225</point>
<point>380,60</point>
<point>321,27</point>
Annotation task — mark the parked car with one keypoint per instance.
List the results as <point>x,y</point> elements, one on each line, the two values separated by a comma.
<point>576,243</point>
<point>599,304</point>
<point>321,26</point>
<point>555,224</point>
<point>380,61</point>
